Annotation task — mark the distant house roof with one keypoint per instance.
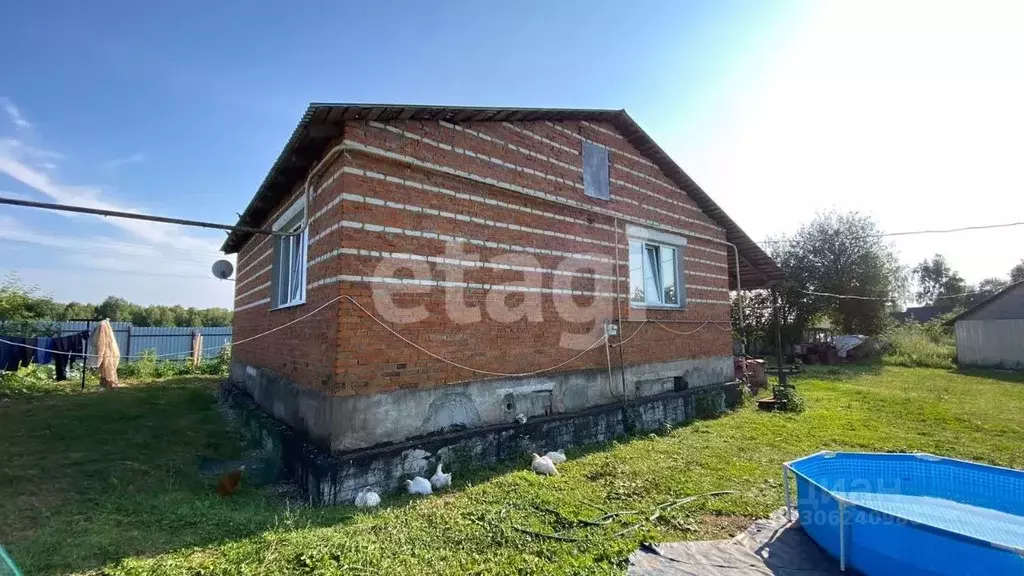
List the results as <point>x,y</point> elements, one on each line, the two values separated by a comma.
<point>986,303</point>
<point>919,313</point>
<point>323,122</point>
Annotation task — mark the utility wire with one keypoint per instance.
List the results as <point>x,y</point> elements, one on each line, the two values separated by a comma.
<point>911,232</point>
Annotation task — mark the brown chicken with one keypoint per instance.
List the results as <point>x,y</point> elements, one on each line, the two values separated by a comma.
<point>230,482</point>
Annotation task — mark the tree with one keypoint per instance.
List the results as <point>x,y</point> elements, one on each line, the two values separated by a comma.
<point>986,289</point>
<point>115,309</point>
<point>937,281</point>
<point>844,254</point>
<point>1017,273</point>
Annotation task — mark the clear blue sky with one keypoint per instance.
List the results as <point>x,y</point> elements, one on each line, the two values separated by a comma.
<point>180,108</point>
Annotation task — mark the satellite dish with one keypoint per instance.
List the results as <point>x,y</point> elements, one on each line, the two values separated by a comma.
<point>223,269</point>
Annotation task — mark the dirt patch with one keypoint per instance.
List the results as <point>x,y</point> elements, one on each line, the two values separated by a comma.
<point>721,526</point>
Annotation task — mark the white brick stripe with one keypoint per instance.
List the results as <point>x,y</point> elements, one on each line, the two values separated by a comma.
<point>510,146</point>
<point>472,219</point>
<point>522,189</point>
<point>253,291</point>
<point>450,284</point>
<point>254,276</point>
<point>253,262</point>
<point>471,154</point>
<point>540,138</point>
<point>614,180</point>
<point>705,274</point>
<point>564,130</point>
<point>706,301</point>
<point>453,261</point>
<point>603,129</point>
<point>712,288</point>
<point>472,198</point>
<point>447,238</point>
<point>252,304</point>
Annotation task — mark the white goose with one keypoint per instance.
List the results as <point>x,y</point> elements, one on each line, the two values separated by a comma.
<point>440,479</point>
<point>543,465</point>
<point>556,457</point>
<point>367,498</point>
<point>419,485</point>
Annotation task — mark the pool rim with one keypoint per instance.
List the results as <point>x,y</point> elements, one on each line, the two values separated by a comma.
<point>787,468</point>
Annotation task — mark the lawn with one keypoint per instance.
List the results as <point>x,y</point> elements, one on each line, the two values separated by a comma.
<point>106,482</point>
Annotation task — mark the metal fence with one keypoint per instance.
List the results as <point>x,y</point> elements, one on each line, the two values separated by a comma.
<point>172,342</point>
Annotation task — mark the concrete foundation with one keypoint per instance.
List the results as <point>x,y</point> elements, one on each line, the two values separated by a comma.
<point>344,423</point>
<point>335,478</point>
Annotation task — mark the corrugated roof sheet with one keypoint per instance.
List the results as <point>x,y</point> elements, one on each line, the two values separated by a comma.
<point>323,121</point>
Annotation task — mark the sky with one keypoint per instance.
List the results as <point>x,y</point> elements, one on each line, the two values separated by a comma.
<point>907,111</point>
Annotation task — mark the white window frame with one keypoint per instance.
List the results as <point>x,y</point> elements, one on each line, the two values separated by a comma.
<point>288,283</point>
<point>653,238</point>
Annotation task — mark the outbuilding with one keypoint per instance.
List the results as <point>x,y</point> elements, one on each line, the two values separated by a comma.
<point>991,333</point>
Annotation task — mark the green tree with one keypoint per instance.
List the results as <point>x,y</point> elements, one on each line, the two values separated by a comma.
<point>115,309</point>
<point>1017,273</point>
<point>842,254</point>
<point>986,289</point>
<point>937,282</point>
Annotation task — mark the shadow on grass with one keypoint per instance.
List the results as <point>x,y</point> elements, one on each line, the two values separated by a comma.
<point>89,478</point>
<point>836,372</point>
<point>1012,376</point>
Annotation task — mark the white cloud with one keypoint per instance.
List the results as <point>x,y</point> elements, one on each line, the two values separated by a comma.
<point>908,111</point>
<point>162,263</point>
<point>114,164</point>
<point>14,114</point>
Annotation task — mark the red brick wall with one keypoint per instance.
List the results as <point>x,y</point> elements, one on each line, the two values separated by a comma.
<point>387,209</point>
<point>305,351</point>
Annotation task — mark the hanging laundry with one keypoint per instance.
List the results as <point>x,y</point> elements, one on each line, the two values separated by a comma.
<point>44,354</point>
<point>65,349</point>
<point>12,353</point>
<point>104,354</point>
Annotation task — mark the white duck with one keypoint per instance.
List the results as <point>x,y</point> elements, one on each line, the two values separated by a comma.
<point>440,479</point>
<point>419,485</point>
<point>543,465</point>
<point>367,498</point>
<point>556,457</point>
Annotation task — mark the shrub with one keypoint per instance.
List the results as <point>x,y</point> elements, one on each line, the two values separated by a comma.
<point>929,345</point>
<point>34,379</point>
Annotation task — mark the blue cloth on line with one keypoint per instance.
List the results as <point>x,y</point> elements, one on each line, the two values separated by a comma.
<point>44,355</point>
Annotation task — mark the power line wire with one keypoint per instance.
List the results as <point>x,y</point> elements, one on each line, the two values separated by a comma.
<point>911,232</point>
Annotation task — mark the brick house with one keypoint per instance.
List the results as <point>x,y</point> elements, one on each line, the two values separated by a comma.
<point>455,268</point>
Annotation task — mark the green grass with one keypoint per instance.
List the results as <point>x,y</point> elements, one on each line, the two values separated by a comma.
<point>105,482</point>
<point>913,345</point>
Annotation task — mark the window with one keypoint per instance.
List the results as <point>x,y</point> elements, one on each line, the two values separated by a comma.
<point>288,280</point>
<point>595,170</point>
<point>655,266</point>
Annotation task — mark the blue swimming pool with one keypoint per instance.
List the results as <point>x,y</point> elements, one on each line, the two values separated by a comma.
<point>911,513</point>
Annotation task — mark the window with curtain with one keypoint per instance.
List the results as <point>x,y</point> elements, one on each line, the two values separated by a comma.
<point>288,280</point>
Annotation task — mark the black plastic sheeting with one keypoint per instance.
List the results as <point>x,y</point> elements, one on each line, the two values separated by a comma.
<point>774,546</point>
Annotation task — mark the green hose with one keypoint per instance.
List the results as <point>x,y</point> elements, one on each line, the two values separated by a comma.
<point>6,560</point>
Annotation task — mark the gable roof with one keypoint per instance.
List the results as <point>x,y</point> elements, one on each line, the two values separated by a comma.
<point>966,314</point>
<point>323,122</point>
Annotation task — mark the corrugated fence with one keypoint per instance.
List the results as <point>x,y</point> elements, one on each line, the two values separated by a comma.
<point>172,342</point>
